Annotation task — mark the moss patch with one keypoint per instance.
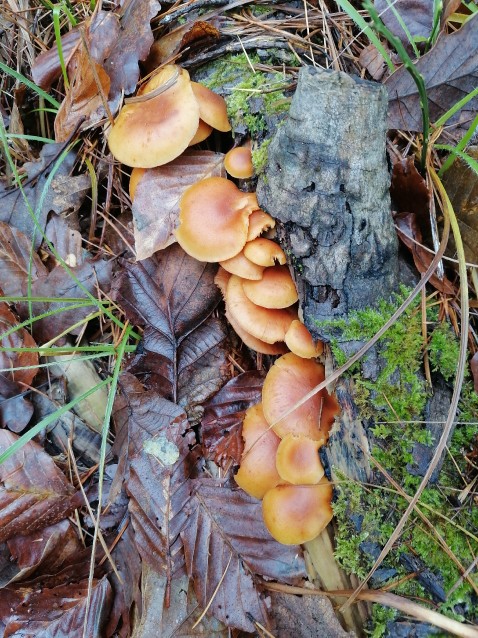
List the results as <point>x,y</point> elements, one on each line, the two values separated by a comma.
<point>393,406</point>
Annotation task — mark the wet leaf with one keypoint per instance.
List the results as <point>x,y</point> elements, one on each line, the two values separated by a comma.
<point>132,45</point>
<point>65,194</point>
<point>15,410</point>
<point>33,491</point>
<point>221,425</point>
<point>417,16</point>
<point>58,284</point>
<point>409,190</point>
<point>461,184</point>
<point>156,201</point>
<point>15,268</point>
<point>450,71</point>
<point>172,295</point>
<point>57,612</point>
<point>46,67</point>
<point>410,234</point>
<point>226,543</point>
<point>158,487</point>
<point>191,34</point>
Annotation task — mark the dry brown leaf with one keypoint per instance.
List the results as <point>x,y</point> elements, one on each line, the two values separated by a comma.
<point>474,370</point>
<point>15,267</point>
<point>409,190</point>
<point>33,491</point>
<point>46,67</point>
<point>450,71</point>
<point>156,201</point>
<point>372,60</point>
<point>416,14</point>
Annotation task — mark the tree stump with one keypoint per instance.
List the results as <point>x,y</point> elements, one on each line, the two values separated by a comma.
<point>327,183</point>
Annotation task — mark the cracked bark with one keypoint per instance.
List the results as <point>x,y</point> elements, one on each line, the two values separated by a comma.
<point>327,183</point>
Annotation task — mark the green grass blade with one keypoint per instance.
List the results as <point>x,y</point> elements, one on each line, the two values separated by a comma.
<point>463,143</point>
<point>472,163</point>
<point>29,83</point>
<point>59,46</point>
<point>455,108</point>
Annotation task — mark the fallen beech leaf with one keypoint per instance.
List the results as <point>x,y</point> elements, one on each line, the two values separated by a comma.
<point>173,296</point>
<point>450,71</point>
<point>160,467</point>
<point>461,184</point>
<point>409,233</point>
<point>57,284</point>
<point>65,194</point>
<point>15,411</point>
<point>474,370</point>
<point>191,34</point>
<point>46,67</point>
<point>15,267</point>
<point>221,425</point>
<point>133,44</point>
<point>34,611</point>
<point>226,543</point>
<point>409,190</point>
<point>372,60</point>
<point>417,16</point>
<point>156,201</point>
<point>33,491</point>
<point>66,240</point>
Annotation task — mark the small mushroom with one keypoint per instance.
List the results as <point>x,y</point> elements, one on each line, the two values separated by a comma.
<point>297,460</point>
<point>156,131</point>
<point>263,323</point>
<point>212,107</point>
<point>202,133</point>
<point>300,342</point>
<point>238,162</point>
<point>276,289</point>
<point>241,266</point>
<point>259,222</point>
<point>264,252</point>
<point>136,176</point>
<point>253,342</point>
<point>214,219</point>
<point>286,383</point>
<point>257,473</point>
<point>295,514</point>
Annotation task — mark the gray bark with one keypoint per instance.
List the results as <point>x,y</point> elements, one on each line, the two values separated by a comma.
<point>327,182</point>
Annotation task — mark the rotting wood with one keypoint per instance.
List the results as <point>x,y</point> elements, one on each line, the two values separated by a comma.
<point>327,182</point>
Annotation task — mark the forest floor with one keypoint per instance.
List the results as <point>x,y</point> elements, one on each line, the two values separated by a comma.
<point>123,387</point>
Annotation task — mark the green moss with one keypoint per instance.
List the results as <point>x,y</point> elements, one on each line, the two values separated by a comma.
<point>259,157</point>
<point>394,404</point>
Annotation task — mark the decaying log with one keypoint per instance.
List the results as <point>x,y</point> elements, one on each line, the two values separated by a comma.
<point>327,182</point>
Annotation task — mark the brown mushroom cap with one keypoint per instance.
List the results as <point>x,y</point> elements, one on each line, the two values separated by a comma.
<point>257,474</point>
<point>276,289</point>
<point>297,460</point>
<point>300,342</point>
<point>241,266</point>
<point>252,342</point>
<point>286,383</point>
<point>212,107</point>
<point>214,219</point>
<point>202,133</point>
<point>295,514</point>
<point>135,178</point>
<point>264,324</point>
<point>238,162</point>
<point>259,222</point>
<point>264,252</point>
<point>154,132</point>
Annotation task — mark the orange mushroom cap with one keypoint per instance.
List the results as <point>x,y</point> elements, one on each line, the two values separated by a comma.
<point>300,342</point>
<point>221,279</point>
<point>297,460</point>
<point>295,514</point>
<point>156,131</point>
<point>252,342</point>
<point>264,252</point>
<point>214,219</point>
<point>238,162</point>
<point>286,383</point>
<point>257,473</point>
<point>263,323</point>
<point>212,107</point>
<point>276,289</point>
<point>202,133</point>
<point>135,178</point>
<point>241,266</point>
<point>259,222</point>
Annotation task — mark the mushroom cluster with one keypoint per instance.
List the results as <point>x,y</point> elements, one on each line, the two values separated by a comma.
<point>169,114</point>
<point>220,223</point>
